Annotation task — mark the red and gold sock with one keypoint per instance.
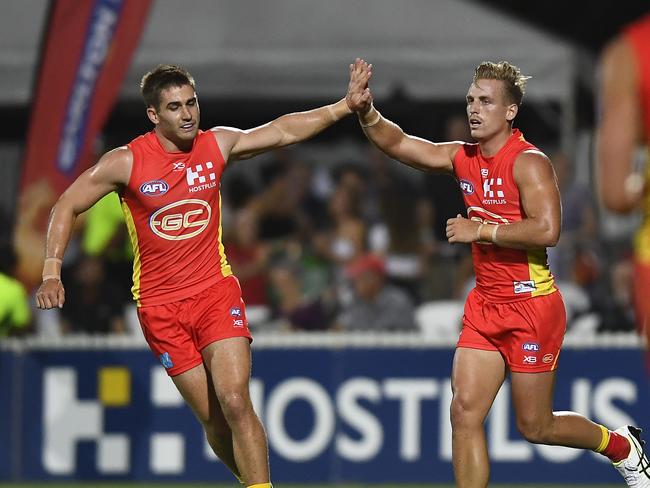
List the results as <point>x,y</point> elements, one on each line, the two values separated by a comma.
<point>613,445</point>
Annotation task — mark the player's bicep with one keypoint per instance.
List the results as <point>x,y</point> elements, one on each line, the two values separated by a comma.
<point>538,190</point>
<point>426,155</point>
<point>243,144</point>
<point>110,173</point>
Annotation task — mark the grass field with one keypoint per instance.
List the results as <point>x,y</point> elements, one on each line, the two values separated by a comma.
<point>203,485</point>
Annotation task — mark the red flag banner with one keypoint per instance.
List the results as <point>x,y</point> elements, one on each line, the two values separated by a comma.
<point>85,55</point>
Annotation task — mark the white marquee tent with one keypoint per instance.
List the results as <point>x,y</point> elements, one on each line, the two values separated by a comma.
<point>301,48</point>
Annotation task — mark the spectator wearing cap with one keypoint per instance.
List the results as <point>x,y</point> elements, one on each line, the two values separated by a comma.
<point>378,305</point>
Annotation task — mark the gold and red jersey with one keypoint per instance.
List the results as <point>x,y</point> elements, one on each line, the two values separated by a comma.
<point>492,196</point>
<point>638,36</point>
<point>172,206</point>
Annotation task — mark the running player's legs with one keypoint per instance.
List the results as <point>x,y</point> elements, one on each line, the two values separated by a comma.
<point>478,373</point>
<point>198,392</point>
<point>221,333</point>
<point>229,363</point>
<point>532,396</point>
<point>537,328</point>
<point>476,378</point>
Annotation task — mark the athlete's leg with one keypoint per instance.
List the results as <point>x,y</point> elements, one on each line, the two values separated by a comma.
<point>199,394</point>
<point>476,378</point>
<point>532,396</point>
<point>229,363</point>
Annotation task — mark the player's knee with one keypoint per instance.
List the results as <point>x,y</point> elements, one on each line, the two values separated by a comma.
<point>464,413</point>
<point>534,430</point>
<point>235,406</point>
<point>216,429</point>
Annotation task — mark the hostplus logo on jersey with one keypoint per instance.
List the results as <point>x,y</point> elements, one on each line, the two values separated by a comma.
<point>492,192</point>
<point>199,174</point>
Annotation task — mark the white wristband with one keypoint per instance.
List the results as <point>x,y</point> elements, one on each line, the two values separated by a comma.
<point>494,233</point>
<point>375,121</point>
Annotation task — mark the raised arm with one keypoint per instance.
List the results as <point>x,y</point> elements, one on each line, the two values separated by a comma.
<point>619,130</point>
<point>540,200</point>
<point>388,136</point>
<point>283,131</point>
<point>110,173</point>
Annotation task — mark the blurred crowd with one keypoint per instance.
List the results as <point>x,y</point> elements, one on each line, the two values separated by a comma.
<point>352,245</point>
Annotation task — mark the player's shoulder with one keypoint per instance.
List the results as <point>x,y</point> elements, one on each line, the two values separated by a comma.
<point>119,155</point>
<point>532,163</point>
<point>463,149</point>
<point>226,138</point>
<point>533,155</point>
<point>115,165</point>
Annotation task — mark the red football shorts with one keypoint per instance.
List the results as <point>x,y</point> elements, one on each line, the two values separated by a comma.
<point>528,333</point>
<point>178,331</point>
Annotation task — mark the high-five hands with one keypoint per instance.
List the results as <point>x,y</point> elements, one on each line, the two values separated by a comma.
<point>359,98</point>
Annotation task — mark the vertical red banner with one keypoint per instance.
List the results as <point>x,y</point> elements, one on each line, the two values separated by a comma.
<point>86,53</point>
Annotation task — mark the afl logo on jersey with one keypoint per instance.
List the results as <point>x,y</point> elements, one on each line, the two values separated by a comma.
<point>467,187</point>
<point>181,220</point>
<point>154,188</point>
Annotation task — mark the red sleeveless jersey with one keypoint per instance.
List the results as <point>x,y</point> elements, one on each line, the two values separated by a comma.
<point>638,35</point>
<point>491,195</point>
<point>172,207</point>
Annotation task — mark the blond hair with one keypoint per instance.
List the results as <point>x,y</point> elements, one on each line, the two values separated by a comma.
<point>514,82</point>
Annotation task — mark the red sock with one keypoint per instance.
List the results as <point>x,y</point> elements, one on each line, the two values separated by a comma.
<point>618,447</point>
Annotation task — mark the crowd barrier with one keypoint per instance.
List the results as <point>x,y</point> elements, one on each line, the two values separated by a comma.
<point>366,408</point>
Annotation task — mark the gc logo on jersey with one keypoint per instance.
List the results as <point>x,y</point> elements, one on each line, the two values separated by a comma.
<point>154,188</point>
<point>181,220</point>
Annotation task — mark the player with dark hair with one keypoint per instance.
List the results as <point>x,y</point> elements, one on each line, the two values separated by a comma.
<point>189,302</point>
<point>514,319</point>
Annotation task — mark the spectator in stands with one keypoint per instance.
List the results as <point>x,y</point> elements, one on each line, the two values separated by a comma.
<point>15,314</point>
<point>578,218</point>
<point>93,305</point>
<point>348,231</point>
<point>277,204</point>
<point>105,236</point>
<point>249,257</point>
<point>300,310</point>
<point>449,270</point>
<point>379,306</point>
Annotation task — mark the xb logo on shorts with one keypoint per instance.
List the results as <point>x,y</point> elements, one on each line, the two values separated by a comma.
<point>181,220</point>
